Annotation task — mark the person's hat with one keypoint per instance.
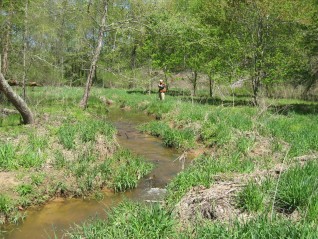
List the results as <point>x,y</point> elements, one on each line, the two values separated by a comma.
<point>161,80</point>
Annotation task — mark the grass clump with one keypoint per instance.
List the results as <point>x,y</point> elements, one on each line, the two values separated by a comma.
<point>251,198</point>
<point>85,131</point>
<point>66,135</point>
<point>129,220</point>
<point>7,156</point>
<point>177,138</point>
<point>125,170</point>
<point>6,205</point>
<point>297,189</point>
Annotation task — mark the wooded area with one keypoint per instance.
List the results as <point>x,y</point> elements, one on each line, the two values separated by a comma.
<point>125,43</point>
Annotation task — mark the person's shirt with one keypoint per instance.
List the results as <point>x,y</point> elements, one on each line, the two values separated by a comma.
<point>161,86</point>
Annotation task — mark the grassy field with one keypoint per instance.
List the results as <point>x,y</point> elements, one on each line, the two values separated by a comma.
<point>266,156</point>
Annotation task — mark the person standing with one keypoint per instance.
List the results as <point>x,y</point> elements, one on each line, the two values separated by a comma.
<point>162,90</point>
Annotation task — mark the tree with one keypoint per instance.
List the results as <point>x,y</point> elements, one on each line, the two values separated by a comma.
<point>92,70</point>
<point>267,36</point>
<point>16,100</point>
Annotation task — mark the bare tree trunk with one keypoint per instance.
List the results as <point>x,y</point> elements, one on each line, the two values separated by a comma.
<point>16,100</point>
<point>92,70</point>
<point>166,78</point>
<point>194,82</point>
<point>211,84</point>
<point>5,49</point>
<point>25,37</point>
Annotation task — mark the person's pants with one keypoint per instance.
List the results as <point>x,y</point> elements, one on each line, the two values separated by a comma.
<point>161,95</point>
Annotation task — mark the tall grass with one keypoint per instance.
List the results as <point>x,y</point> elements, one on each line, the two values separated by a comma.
<point>126,169</point>
<point>297,189</point>
<point>7,156</point>
<point>129,220</point>
<point>177,138</point>
<point>261,228</point>
<point>6,204</point>
<point>135,220</point>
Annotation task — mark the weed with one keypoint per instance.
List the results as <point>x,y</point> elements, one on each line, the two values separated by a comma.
<point>37,142</point>
<point>37,179</point>
<point>7,156</point>
<point>31,159</point>
<point>59,160</point>
<point>17,217</point>
<point>66,135</point>
<point>25,189</point>
<point>88,155</point>
<point>5,204</point>
<point>298,130</point>
<point>183,138</point>
<point>244,144</point>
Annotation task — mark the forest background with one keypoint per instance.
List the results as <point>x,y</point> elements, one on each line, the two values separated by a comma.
<point>268,46</point>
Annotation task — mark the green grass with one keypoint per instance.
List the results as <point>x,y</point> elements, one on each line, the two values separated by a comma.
<point>201,172</point>
<point>251,198</point>
<point>300,131</point>
<point>10,120</point>
<point>7,156</point>
<point>125,170</point>
<point>6,204</point>
<point>136,220</point>
<point>66,135</point>
<point>11,159</point>
<point>230,132</point>
<point>85,131</point>
<point>129,220</point>
<point>294,190</point>
<point>297,189</point>
<point>260,227</point>
<point>177,138</point>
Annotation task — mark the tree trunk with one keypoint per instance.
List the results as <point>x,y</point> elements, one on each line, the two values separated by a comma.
<point>194,82</point>
<point>166,79</point>
<point>16,100</point>
<point>211,84</point>
<point>6,45</point>
<point>92,69</point>
<point>25,45</point>
<point>258,61</point>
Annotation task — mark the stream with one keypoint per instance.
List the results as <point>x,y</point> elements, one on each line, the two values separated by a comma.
<point>54,218</point>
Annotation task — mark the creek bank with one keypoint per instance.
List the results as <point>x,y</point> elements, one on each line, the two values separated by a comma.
<point>65,158</point>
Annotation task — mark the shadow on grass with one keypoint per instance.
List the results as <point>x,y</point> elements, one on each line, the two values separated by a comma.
<point>240,100</point>
<point>303,109</point>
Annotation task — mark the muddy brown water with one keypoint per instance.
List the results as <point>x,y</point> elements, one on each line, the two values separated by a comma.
<point>54,218</point>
